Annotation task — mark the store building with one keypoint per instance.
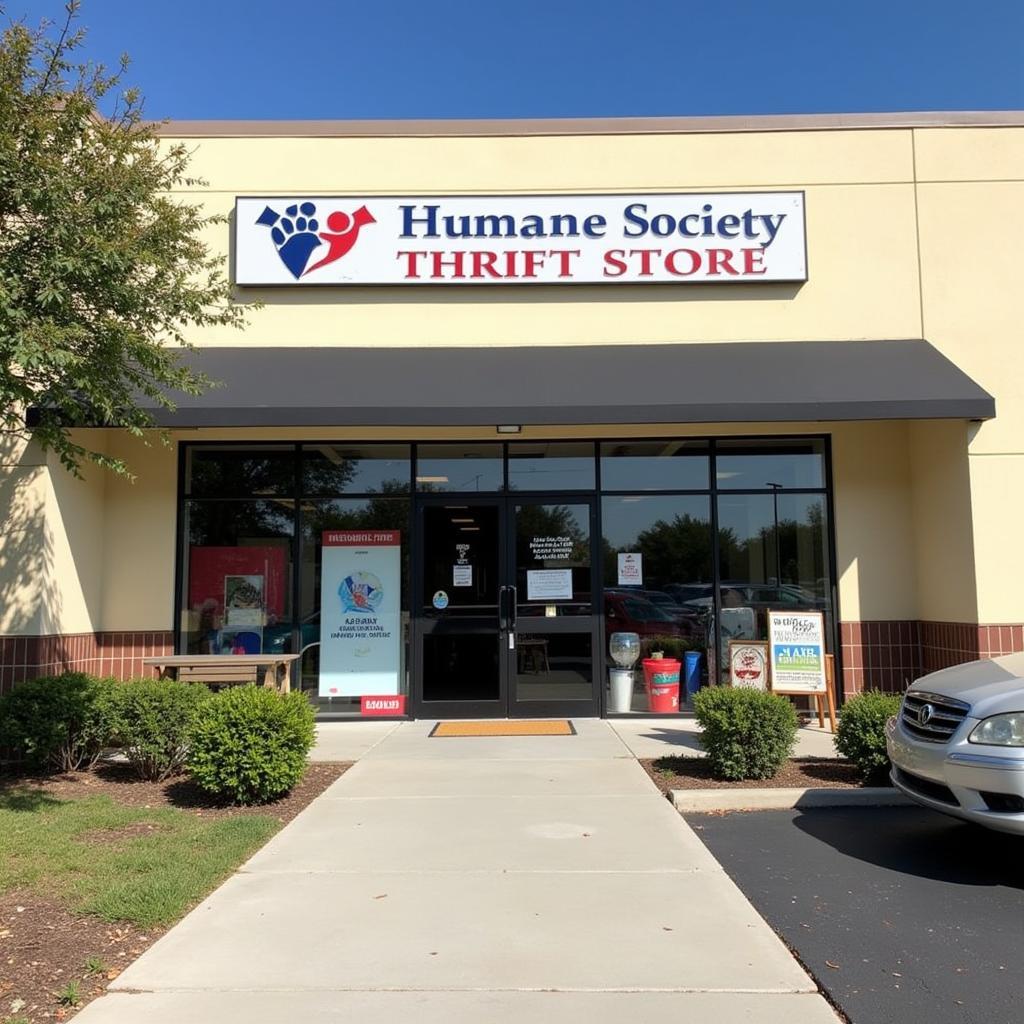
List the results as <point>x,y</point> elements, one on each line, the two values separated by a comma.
<point>513,386</point>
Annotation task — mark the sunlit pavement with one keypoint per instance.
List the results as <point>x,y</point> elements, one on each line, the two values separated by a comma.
<point>538,879</point>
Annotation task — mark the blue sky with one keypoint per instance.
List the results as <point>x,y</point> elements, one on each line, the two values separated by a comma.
<point>552,58</point>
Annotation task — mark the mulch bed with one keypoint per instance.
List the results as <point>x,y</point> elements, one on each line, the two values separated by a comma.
<point>43,946</point>
<point>669,773</point>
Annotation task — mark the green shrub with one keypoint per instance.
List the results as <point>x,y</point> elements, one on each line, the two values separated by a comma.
<point>153,720</point>
<point>250,744</point>
<point>860,735</point>
<point>748,734</point>
<point>58,722</point>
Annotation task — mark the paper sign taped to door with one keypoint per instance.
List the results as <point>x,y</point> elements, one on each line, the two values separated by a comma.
<point>549,584</point>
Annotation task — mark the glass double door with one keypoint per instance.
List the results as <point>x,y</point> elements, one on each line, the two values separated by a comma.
<point>505,620</point>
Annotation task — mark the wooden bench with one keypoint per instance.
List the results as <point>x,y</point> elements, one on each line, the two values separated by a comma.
<point>219,670</point>
<point>216,676</point>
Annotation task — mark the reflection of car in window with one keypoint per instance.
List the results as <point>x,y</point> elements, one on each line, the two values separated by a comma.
<point>681,593</point>
<point>686,617</point>
<point>632,613</point>
<point>737,593</point>
<point>661,600</point>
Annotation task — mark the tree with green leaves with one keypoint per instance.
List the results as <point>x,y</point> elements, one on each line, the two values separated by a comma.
<point>103,273</point>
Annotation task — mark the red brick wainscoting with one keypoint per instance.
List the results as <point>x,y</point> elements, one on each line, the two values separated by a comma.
<point>883,655</point>
<point>950,643</point>
<point>889,654</point>
<point>102,654</point>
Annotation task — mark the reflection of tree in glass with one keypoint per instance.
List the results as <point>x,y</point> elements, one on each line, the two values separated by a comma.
<point>241,473</point>
<point>321,475</point>
<point>673,552</point>
<point>377,513</point>
<point>327,472</point>
<point>801,550</point>
<point>234,522</point>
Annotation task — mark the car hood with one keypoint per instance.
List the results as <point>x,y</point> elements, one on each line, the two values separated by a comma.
<point>991,687</point>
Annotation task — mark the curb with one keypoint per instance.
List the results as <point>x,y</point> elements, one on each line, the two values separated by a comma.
<point>693,801</point>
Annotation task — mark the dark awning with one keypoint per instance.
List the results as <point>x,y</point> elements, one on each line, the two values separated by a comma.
<point>642,383</point>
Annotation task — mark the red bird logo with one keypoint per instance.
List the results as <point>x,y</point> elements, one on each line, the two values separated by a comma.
<point>344,230</point>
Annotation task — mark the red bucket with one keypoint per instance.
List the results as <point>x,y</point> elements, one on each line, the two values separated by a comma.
<point>662,678</point>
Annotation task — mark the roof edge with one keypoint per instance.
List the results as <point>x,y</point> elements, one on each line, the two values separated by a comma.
<point>587,125</point>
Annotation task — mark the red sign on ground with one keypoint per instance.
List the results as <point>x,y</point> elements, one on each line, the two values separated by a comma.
<point>383,704</point>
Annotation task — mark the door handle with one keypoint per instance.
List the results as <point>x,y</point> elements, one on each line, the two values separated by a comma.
<point>502,608</point>
<point>513,607</point>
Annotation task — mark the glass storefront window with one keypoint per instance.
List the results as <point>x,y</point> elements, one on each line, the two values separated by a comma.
<point>773,551</point>
<point>666,465</point>
<point>330,469</point>
<point>550,467</point>
<point>759,465</point>
<point>238,577</point>
<point>234,471</point>
<point>459,467</point>
<point>665,592</point>
<point>248,511</point>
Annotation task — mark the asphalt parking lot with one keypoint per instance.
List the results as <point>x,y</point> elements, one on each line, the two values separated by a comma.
<point>901,915</point>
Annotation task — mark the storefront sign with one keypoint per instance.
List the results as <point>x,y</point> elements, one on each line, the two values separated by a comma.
<point>549,585</point>
<point>360,613</point>
<point>797,652</point>
<point>378,705</point>
<point>554,239</point>
<point>748,665</point>
<point>631,569</point>
<point>462,575</point>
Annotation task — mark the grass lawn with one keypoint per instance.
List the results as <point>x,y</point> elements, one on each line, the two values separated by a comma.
<point>96,865</point>
<point>120,863</point>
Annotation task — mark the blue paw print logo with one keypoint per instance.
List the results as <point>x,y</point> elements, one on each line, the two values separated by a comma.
<point>294,234</point>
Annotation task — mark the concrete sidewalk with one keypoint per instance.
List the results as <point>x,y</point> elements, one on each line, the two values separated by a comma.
<point>494,880</point>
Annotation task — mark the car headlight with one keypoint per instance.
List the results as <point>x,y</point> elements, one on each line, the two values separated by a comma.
<point>1000,730</point>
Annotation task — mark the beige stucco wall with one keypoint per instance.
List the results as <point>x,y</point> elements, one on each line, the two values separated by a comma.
<point>971,209</point>
<point>139,537</point>
<point>875,558</point>
<point>851,179</point>
<point>51,547</point>
<point>911,233</point>
<point>943,521</point>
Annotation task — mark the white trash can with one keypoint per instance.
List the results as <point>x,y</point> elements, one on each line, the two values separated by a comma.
<point>622,690</point>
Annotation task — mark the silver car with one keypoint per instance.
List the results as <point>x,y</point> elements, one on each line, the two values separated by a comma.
<point>957,745</point>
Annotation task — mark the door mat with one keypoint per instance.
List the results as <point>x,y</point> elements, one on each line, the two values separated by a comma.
<point>559,728</point>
